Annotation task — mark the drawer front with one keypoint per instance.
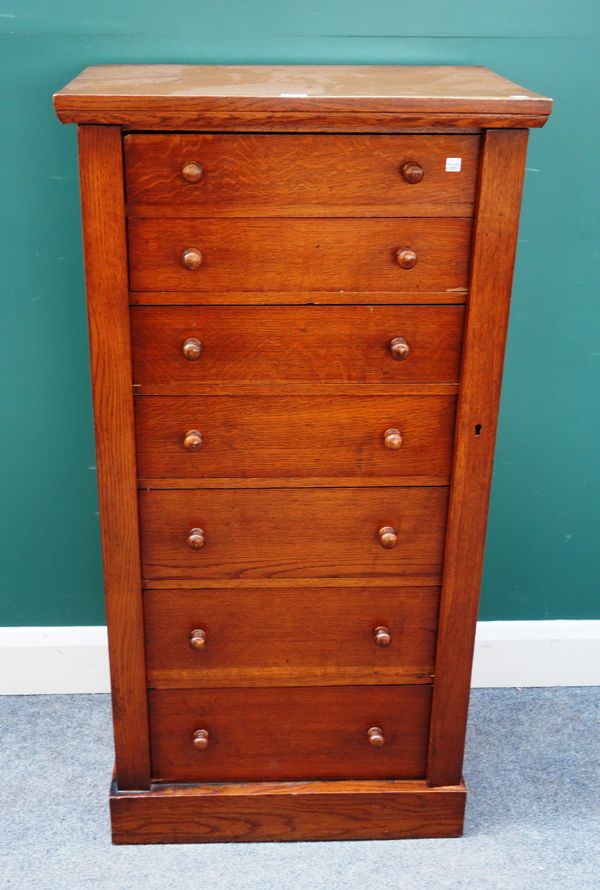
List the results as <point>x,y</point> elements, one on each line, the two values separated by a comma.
<point>301,174</point>
<point>289,733</point>
<point>199,437</point>
<point>294,533</point>
<point>299,254</point>
<point>296,637</point>
<point>294,344</point>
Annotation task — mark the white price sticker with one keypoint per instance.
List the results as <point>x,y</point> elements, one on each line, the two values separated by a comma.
<point>453,165</point>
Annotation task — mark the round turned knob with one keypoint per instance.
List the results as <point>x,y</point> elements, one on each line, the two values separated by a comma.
<point>412,172</point>
<point>375,737</point>
<point>399,348</point>
<point>392,439</point>
<point>200,739</point>
<point>198,639</point>
<point>196,538</point>
<point>192,258</point>
<point>382,636</point>
<point>192,171</point>
<point>193,440</point>
<point>192,349</point>
<point>405,257</point>
<point>388,537</point>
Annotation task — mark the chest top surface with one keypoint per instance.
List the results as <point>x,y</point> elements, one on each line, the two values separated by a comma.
<point>117,94</point>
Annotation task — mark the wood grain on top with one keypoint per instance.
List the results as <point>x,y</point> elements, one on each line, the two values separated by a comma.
<point>113,93</point>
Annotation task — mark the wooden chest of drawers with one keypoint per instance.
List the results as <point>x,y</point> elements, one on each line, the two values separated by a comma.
<point>298,285</point>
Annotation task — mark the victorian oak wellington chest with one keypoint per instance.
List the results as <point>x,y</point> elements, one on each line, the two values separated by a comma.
<point>298,282</point>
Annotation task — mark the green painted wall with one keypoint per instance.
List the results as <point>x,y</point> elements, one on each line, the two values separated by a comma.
<point>542,555</point>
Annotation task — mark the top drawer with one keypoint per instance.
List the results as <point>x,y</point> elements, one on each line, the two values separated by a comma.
<point>300,175</point>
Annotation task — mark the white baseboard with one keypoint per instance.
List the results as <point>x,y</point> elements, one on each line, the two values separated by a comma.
<point>537,653</point>
<point>48,660</point>
<point>51,660</point>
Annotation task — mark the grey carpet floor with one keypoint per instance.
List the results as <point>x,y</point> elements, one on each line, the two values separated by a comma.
<point>533,818</point>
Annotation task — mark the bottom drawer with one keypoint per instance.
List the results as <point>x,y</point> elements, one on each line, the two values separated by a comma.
<point>290,733</point>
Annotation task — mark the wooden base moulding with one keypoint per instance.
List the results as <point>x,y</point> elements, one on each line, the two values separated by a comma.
<point>286,811</point>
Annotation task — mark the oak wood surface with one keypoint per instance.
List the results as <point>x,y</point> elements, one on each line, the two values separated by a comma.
<point>361,211</point>
<point>281,344</point>
<point>298,254</point>
<point>299,533</point>
<point>289,733</point>
<point>295,637</point>
<point>294,436</point>
<point>101,176</point>
<point>119,92</point>
<point>283,583</point>
<point>299,389</point>
<point>303,175</point>
<point>242,482</point>
<point>501,176</point>
<point>455,297</point>
<point>284,811</point>
<point>431,123</point>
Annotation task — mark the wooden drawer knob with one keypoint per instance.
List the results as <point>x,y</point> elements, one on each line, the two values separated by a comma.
<point>192,258</point>
<point>198,639</point>
<point>412,172</point>
<point>399,348</point>
<point>192,171</point>
<point>192,440</point>
<point>375,737</point>
<point>196,538</point>
<point>392,439</point>
<point>405,257</point>
<point>200,739</point>
<point>192,349</point>
<point>382,636</point>
<point>388,537</point>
